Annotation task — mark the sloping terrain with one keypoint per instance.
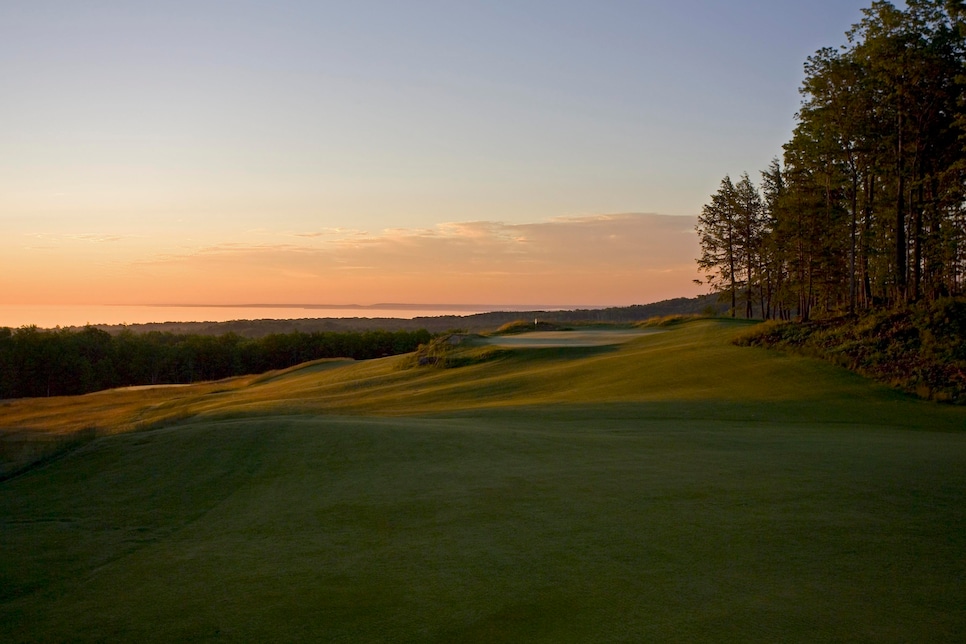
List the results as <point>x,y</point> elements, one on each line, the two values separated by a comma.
<point>919,349</point>
<point>674,487</point>
<point>695,362</point>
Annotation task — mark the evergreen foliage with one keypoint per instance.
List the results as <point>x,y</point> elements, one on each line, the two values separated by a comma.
<point>35,362</point>
<point>867,209</point>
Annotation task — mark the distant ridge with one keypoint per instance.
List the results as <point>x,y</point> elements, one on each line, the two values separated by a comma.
<point>472,309</point>
<point>434,324</point>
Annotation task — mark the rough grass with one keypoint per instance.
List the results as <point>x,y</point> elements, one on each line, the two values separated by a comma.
<point>675,488</point>
<point>668,320</point>
<point>525,326</point>
<point>920,350</point>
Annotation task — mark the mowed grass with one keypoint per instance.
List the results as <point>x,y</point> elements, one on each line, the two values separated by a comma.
<point>676,488</point>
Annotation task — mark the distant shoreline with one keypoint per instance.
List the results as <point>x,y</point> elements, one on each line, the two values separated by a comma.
<point>53,316</point>
<point>392,306</point>
<point>257,322</point>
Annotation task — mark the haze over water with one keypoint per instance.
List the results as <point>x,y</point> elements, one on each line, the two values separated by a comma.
<point>52,316</point>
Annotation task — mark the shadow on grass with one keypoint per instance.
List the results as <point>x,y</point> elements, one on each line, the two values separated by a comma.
<point>22,452</point>
<point>475,354</point>
<point>896,411</point>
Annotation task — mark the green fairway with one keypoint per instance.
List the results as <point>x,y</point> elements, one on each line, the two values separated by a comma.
<point>672,488</point>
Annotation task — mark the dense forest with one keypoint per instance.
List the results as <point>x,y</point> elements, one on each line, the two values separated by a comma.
<point>865,210</point>
<point>36,362</point>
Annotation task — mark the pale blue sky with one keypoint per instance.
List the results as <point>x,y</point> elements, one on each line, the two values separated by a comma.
<point>236,122</point>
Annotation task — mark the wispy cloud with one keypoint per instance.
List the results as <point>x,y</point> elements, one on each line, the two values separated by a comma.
<point>98,239</point>
<point>331,233</point>
<point>598,259</point>
<point>94,238</point>
<point>606,259</point>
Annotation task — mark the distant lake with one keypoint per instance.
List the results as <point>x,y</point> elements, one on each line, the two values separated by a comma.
<point>64,316</point>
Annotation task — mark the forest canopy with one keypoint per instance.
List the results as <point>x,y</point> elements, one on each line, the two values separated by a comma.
<point>865,209</point>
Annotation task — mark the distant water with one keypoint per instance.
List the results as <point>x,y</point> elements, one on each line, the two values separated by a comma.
<point>64,316</point>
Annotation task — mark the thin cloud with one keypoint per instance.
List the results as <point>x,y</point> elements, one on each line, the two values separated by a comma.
<point>98,239</point>
<point>607,259</point>
<point>94,238</point>
<point>329,233</point>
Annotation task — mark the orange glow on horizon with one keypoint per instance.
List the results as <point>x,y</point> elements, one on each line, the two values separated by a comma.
<point>601,261</point>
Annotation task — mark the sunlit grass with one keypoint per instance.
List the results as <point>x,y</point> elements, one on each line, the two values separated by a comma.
<point>694,361</point>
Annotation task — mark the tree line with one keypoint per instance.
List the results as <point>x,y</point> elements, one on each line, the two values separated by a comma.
<point>866,207</point>
<point>36,362</point>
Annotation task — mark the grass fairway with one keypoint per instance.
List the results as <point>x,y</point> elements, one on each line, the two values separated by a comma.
<point>672,488</point>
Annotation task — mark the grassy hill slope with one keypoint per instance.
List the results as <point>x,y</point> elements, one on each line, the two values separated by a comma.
<point>920,349</point>
<point>694,363</point>
<point>674,487</point>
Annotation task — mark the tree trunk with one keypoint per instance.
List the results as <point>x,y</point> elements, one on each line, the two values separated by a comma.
<point>731,268</point>
<point>853,295</point>
<point>916,292</point>
<point>900,248</point>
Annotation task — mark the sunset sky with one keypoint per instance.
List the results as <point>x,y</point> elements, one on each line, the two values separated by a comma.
<point>551,152</point>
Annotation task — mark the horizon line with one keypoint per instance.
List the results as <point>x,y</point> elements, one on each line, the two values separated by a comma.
<point>376,306</point>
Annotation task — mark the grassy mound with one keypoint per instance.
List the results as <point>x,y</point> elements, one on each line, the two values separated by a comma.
<point>673,488</point>
<point>668,320</point>
<point>524,326</point>
<point>450,351</point>
<point>921,350</point>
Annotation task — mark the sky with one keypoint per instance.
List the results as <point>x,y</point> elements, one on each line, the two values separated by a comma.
<point>452,151</point>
